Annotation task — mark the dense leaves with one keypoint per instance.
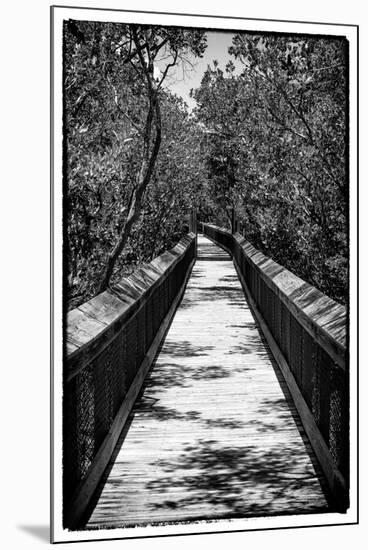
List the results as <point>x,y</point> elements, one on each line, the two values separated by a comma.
<point>276,151</point>
<point>131,154</point>
<point>268,141</point>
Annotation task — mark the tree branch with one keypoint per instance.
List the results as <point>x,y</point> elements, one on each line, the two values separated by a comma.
<point>139,130</point>
<point>141,59</point>
<point>283,125</point>
<point>167,69</point>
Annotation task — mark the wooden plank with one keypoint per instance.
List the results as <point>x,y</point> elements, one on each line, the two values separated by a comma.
<point>214,433</point>
<point>85,491</point>
<point>335,480</point>
<point>323,318</point>
<point>91,327</point>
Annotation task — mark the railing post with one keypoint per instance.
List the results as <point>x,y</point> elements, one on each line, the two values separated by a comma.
<point>309,348</point>
<point>112,359</point>
<point>193,221</point>
<point>234,222</point>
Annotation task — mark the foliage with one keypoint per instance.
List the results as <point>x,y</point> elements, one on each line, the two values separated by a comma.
<point>276,151</point>
<point>268,142</point>
<point>126,161</point>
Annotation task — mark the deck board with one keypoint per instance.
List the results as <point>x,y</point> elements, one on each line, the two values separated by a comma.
<point>213,433</point>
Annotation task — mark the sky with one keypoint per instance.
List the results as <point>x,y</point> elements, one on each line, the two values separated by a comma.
<point>217,48</point>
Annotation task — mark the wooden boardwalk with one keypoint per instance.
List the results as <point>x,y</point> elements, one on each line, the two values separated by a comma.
<point>214,433</point>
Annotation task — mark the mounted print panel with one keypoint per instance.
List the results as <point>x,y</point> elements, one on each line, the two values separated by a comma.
<point>205,195</point>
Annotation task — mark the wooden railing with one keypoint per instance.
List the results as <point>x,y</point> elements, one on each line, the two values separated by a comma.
<point>111,342</point>
<point>306,331</point>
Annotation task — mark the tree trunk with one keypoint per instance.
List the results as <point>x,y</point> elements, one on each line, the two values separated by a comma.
<point>145,173</point>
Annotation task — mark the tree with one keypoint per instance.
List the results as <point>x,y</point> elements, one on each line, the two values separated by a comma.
<point>175,183</point>
<point>113,134</point>
<point>284,120</point>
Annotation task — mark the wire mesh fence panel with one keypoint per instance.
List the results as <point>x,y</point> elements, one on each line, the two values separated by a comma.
<point>310,354</point>
<point>308,368</point>
<point>95,391</point>
<point>296,349</point>
<point>338,420</point>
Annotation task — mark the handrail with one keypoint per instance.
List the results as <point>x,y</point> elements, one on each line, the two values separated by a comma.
<point>322,317</point>
<point>110,343</point>
<point>306,331</point>
<point>91,326</point>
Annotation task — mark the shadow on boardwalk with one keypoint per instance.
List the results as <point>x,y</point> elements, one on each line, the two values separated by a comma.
<point>213,433</point>
<point>218,475</point>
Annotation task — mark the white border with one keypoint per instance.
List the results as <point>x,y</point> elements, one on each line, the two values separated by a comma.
<point>61,13</point>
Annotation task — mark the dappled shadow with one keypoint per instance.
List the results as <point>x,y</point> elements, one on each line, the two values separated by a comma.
<point>184,348</point>
<point>220,289</point>
<point>209,372</point>
<point>274,412</point>
<point>250,345</point>
<point>244,325</point>
<point>229,278</point>
<point>171,367</point>
<point>284,406</point>
<point>242,480</point>
<point>251,466</point>
<point>276,405</point>
<point>238,304</point>
<point>212,258</point>
<point>169,375</point>
<point>155,411</point>
<point>226,423</point>
<point>210,250</point>
<point>197,274</point>
<point>231,477</point>
<point>232,457</point>
<point>228,294</point>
